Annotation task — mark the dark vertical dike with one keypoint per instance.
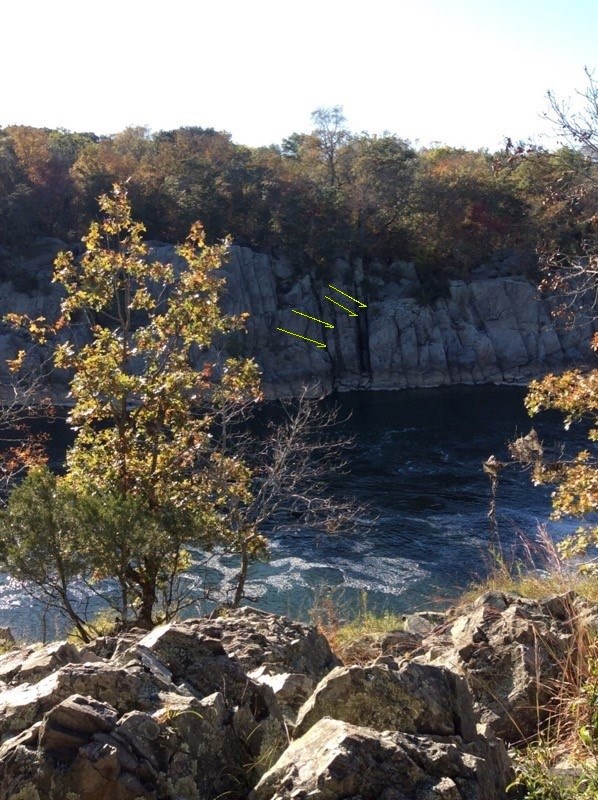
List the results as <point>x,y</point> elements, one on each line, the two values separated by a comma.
<point>336,364</point>
<point>363,342</point>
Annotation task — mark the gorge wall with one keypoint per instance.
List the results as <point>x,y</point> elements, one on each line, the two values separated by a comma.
<point>492,329</point>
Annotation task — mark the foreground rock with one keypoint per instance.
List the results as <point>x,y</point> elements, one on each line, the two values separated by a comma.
<point>336,760</point>
<point>512,652</point>
<point>386,695</point>
<point>160,715</point>
<point>205,708</point>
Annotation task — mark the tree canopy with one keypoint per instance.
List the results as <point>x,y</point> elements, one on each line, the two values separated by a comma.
<point>320,195</point>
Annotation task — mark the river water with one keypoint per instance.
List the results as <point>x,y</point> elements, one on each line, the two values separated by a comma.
<point>417,464</point>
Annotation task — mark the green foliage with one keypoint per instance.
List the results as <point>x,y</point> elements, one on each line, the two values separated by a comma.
<point>39,541</point>
<point>536,779</point>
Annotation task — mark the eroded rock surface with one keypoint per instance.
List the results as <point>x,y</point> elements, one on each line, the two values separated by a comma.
<point>160,715</point>
<point>388,695</point>
<point>215,706</point>
<point>493,328</point>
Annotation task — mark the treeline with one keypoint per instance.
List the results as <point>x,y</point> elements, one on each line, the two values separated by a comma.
<point>314,198</point>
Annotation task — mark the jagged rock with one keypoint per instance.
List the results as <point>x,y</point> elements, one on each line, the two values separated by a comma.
<point>511,651</point>
<point>410,697</point>
<point>46,660</point>
<point>71,724</point>
<point>335,760</point>
<point>419,624</point>
<point>198,663</point>
<point>11,662</point>
<point>138,733</point>
<point>124,689</point>
<point>258,638</point>
<point>291,690</point>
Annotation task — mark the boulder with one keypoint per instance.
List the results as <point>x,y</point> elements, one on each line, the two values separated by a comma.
<point>413,698</point>
<point>335,760</point>
<point>72,723</point>
<point>11,662</point>
<point>291,690</point>
<point>46,660</point>
<point>123,689</point>
<point>256,638</point>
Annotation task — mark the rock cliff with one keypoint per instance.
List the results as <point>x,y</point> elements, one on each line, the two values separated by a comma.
<point>492,329</point>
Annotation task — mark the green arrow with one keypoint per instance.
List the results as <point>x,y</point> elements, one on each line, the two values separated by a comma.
<point>307,339</point>
<point>348,310</point>
<point>315,319</point>
<point>359,303</point>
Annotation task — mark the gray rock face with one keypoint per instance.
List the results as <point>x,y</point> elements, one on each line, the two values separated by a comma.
<point>336,760</point>
<point>491,329</point>
<point>193,710</point>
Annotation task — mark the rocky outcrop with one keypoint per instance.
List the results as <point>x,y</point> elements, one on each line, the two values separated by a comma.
<point>192,710</point>
<point>170,713</point>
<point>493,328</point>
<point>513,653</point>
<point>335,760</point>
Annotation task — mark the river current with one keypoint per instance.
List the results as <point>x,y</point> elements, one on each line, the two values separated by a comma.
<point>417,465</point>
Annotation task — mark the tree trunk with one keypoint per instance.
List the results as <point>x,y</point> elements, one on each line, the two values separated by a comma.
<point>241,579</point>
<point>148,601</point>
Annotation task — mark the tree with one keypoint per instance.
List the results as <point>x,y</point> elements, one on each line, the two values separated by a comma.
<point>292,466</point>
<point>40,545</point>
<point>135,392</point>
<point>575,392</point>
<point>162,457</point>
<point>23,399</point>
<point>330,135</point>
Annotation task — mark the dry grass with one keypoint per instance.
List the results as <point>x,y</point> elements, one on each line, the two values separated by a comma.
<point>570,733</point>
<point>353,640</point>
<point>538,575</point>
<point>103,624</point>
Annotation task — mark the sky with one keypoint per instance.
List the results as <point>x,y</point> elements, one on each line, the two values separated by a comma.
<point>461,72</point>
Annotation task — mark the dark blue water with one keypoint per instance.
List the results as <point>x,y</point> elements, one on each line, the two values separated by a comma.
<point>417,464</point>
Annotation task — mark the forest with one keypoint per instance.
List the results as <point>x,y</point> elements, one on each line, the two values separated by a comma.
<point>315,197</point>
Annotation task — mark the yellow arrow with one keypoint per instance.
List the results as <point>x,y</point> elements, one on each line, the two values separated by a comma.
<point>307,339</point>
<point>315,319</point>
<point>359,303</point>
<point>348,310</point>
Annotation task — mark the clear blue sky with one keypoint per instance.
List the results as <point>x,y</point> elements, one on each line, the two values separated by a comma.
<point>463,72</point>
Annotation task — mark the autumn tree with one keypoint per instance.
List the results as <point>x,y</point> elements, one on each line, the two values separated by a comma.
<point>140,447</point>
<point>330,134</point>
<point>162,456</point>
<point>575,392</point>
